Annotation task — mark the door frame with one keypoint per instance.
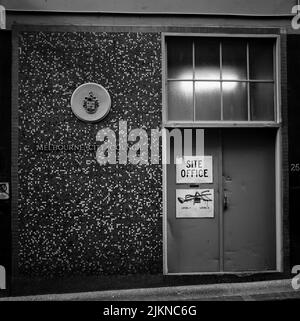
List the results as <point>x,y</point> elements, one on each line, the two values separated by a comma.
<point>228,124</point>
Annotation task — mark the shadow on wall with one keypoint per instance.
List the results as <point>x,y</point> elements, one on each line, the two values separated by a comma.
<point>2,278</point>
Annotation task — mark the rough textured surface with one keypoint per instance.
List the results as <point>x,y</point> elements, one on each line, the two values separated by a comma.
<point>246,291</point>
<point>75,216</point>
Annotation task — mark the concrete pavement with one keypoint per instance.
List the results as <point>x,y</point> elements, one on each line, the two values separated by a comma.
<point>250,291</point>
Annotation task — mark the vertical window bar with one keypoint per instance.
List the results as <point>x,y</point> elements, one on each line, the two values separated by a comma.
<point>248,83</point>
<point>165,78</point>
<point>194,94</point>
<point>275,82</point>
<point>221,82</point>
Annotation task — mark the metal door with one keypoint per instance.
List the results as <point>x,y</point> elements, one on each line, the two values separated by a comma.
<point>241,236</point>
<point>193,243</point>
<point>249,193</point>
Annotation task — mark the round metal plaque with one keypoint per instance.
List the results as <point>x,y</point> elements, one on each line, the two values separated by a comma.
<point>90,102</point>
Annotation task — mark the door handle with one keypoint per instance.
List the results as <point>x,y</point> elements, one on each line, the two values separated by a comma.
<point>225,202</point>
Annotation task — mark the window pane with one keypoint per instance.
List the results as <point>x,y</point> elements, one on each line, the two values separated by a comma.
<point>235,101</point>
<point>180,58</point>
<point>208,100</point>
<point>234,62</point>
<point>262,101</point>
<point>207,58</point>
<point>261,59</point>
<point>180,100</point>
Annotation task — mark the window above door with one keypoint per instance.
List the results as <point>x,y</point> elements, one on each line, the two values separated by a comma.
<point>218,79</point>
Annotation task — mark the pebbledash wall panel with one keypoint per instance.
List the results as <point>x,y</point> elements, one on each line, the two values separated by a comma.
<point>76,217</point>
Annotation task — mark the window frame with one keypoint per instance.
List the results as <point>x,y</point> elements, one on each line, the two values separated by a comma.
<point>223,123</point>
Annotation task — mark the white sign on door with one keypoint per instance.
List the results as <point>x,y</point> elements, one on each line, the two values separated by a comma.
<point>194,203</point>
<point>194,169</point>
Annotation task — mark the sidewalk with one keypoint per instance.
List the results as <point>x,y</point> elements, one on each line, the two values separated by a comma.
<point>252,291</point>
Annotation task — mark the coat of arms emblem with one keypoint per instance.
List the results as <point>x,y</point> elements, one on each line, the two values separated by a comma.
<point>91,103</point>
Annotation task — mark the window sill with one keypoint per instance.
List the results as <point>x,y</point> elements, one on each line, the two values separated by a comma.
<point>222,124</point>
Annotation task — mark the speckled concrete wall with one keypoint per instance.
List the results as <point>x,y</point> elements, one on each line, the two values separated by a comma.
<point>75,216</point>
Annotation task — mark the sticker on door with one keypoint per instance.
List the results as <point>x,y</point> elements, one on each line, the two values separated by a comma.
<point>194,203</point>
<point>194,169</point>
